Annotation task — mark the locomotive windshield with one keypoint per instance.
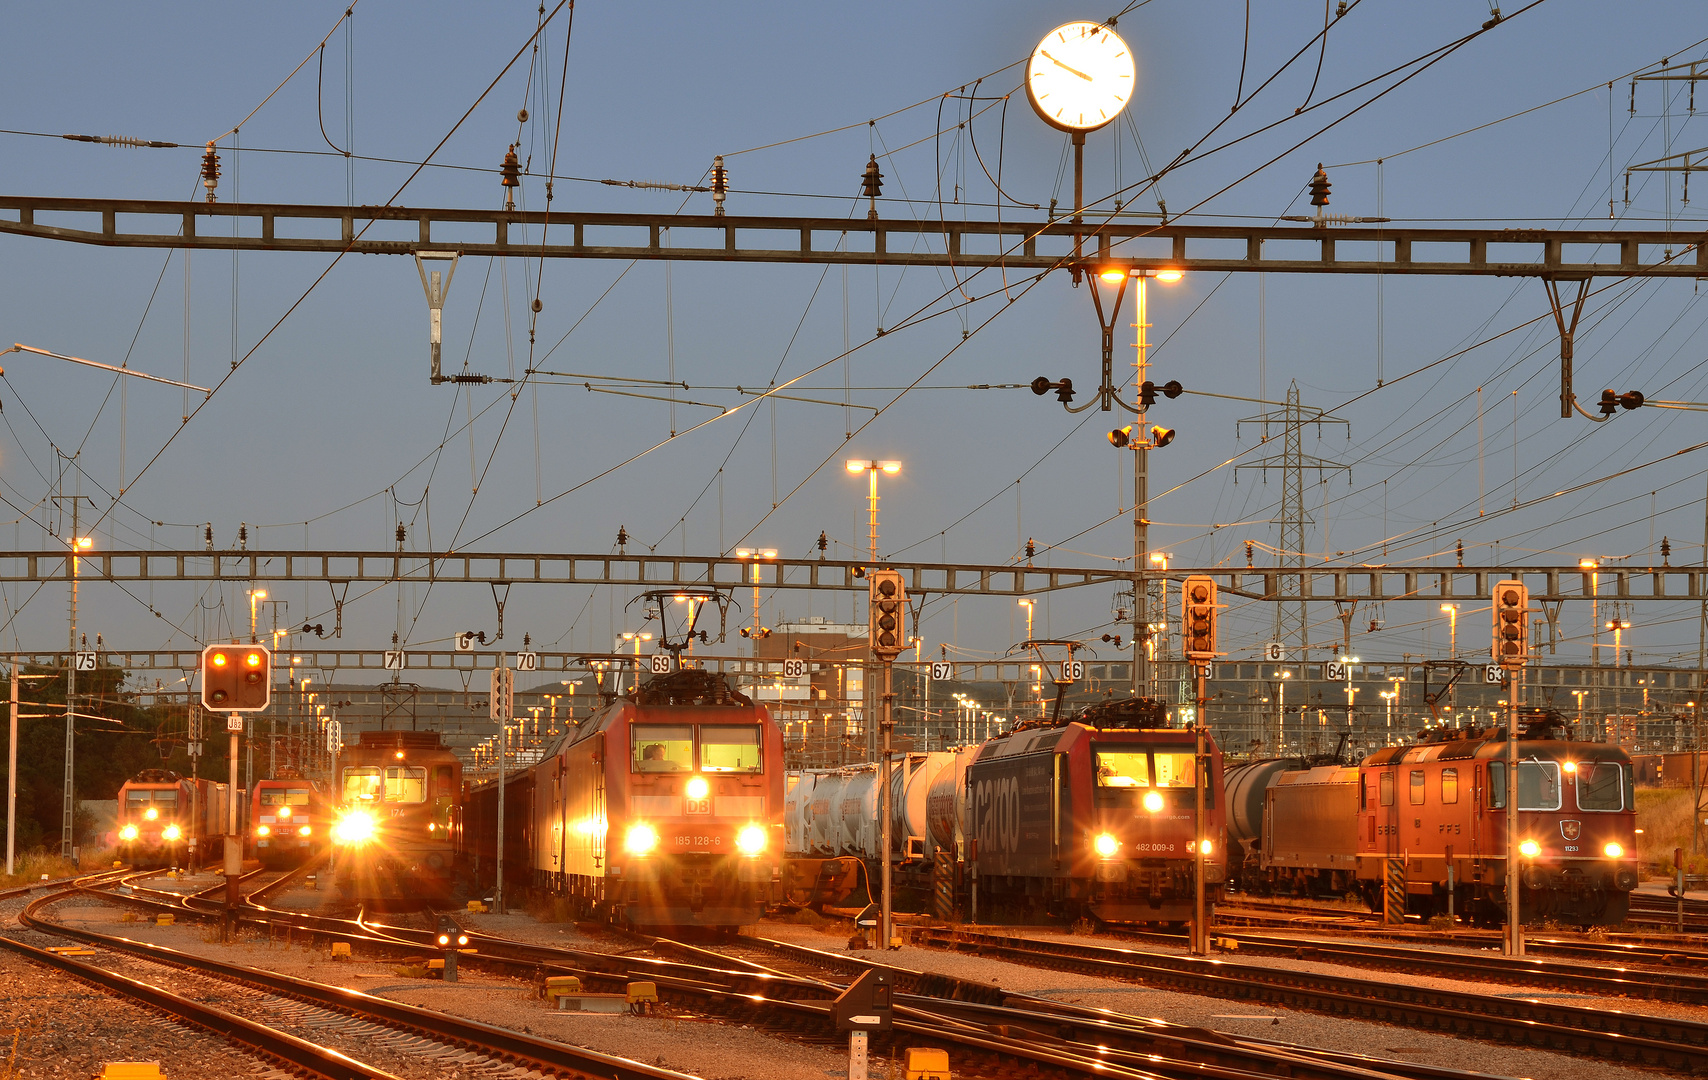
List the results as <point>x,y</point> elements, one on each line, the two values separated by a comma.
<point>404,783</point>
<point>729,748</point>
<point>162,797</point>
<point>284,797</point>
<point>662,747</point>
<point>1140,768</point>
<point>1538,785</point>
<point>394,783</point>
<point>1600,785</point>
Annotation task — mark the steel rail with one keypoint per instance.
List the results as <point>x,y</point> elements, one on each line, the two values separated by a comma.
<point>443,1026</point>
<point>283,1046</point>
<point>992,1008</point>
<point>1650,1040</point>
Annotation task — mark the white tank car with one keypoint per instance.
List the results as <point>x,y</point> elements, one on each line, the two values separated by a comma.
<point>822,811</point>
<point>945,802</point>
<point>910,817</point>
<point>797,797</point>
<point>856,813</point>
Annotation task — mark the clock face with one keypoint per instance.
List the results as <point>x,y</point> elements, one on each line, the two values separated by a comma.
<point>1080,76</point>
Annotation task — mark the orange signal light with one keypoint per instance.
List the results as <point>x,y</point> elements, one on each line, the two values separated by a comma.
<point>218,659</point>
<point>253,659</point>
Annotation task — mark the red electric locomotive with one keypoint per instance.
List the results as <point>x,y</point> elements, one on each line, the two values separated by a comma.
<point>1093,816</point>
<point>287,819</point>
<point>1442,806</point>
<point>663,808</point>
<point>165,819</point>
<point>400,808</point>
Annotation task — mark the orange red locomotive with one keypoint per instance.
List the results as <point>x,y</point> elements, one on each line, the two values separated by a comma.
<point>287,819</point>
<point>664,808</point>
<point>165,819</point>
<point>1439,808</point>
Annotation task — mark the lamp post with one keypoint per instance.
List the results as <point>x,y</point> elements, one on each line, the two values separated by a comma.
<point>1028,605</point>
<point>1281,713</point>
<point>1592,568</point>
<point>1452,613</point>
<point>1118,276</point>
<point>1394,681</point>
<point>872,469</point>
<point>636,638</point>
<point>867,699</point>
<point>757,554</point>
<point>79,544</point>
<point>1617,625</point>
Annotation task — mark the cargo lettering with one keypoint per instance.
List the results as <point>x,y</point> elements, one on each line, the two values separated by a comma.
<point>996,812</point>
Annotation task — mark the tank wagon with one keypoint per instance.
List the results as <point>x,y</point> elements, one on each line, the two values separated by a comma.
<point>1094,815</point>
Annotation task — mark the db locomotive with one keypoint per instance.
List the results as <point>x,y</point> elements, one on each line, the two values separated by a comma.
<point>165,819</point>
<point>400,800</point>
<point>287,820</point>
<point>1439,809</point>
<point>663,808</point>
<point>1093,816</point>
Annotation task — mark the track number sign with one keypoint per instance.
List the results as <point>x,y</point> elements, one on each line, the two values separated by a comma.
<point>395,660</point>
<point>1336,671</point>
<point>86,661</point>
<point>941,671</point>
<point>1073,670</point>
<point>1493,675</point>
<point>1274,653</point>
<point>794,669</point>
<point>660,664</point>
<point>527,661</point>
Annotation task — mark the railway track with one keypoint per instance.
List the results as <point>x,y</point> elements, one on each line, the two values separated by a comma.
<point>423,1032</point>
<point>988,1032</point>
<point>1615,1036</point>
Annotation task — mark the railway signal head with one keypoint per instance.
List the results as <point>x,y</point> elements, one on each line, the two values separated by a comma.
<point>888,611</point>
<point>236,678</point>
<point>1511,626</point>
<point>1199,615</point>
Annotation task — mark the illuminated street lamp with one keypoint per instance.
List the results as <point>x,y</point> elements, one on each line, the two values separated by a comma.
<point>631,636</point>
<point>872,469</point>
<point>1452,613</point>
<point>1617,625</point>
<point>1028,605</point>
<point>756,554</point>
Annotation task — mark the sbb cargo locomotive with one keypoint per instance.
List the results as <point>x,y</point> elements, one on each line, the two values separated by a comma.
<point>400,798</point>
<point>1439,808</point>
<point>1090,816</point>
<point>661,809</point>
<point>165,819</point>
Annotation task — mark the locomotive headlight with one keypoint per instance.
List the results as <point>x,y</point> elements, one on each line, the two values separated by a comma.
<point>128,833</point>
<point>697,787</point>
<point>354,828</point>
<point>640,839</point>
<point>305,830</point>
<point>284,811</point>
<point>1153,801</point>
<point>1106,845</point>
<point>750,841</point>
<point>150,814</point>
<point>1192,845</point>
<point>1613,850</point>
<point>1530,849</point>
<point>263,830</point>
<point>171,832</point>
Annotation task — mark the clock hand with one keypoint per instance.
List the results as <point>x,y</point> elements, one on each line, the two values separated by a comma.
<point>1064,67</point>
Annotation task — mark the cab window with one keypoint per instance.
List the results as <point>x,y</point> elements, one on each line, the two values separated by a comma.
<point>284,797</point>
<point>1174,768</point>
<point>1538,785</point>
<point>1417,787</point>
<point>1120,768</point>
<point>405,784</point>
<point>362,783</point>
<point>1600,786</point>
<point>662,747</point>
<point>1387,789</point>
<point>729,748</point>
<point>1449,786</point>
<point>1497,784</point>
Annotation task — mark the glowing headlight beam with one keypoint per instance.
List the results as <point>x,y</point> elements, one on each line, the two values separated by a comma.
<point>750,841</point>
